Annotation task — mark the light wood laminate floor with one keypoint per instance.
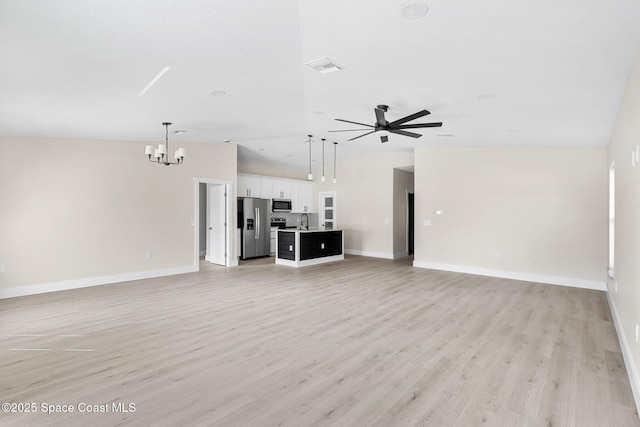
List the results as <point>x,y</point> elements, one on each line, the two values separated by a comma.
<point>362,342</point>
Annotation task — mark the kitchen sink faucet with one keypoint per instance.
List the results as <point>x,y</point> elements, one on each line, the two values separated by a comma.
<point>304,215</point>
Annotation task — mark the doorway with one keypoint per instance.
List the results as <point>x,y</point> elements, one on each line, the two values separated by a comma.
<point>213,224</point>
<point>410,222</point>
<point>215,237</point>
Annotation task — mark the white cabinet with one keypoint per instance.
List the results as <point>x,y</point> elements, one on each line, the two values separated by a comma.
<point>248,186</point>
<point>272,246</point>
<point>266,188</point>
<point>303,200</point>
<point>298,191</point>
<point>293,195</point>
<point>281,189</point>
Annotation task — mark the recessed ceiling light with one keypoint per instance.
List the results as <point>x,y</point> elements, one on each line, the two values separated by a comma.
<point>486,96</point>
<point>260,149</point>
<point>324,65</point>
<point>179,132</point>
<point>445,135</point>
<point>414,10</point>
<point>227,140</point>
<point>218,93</point>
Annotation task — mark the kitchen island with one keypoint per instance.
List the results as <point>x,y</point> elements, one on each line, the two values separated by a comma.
<point>299,248</point>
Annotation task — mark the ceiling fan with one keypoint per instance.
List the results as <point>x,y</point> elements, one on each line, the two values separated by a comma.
<point>383,127</point>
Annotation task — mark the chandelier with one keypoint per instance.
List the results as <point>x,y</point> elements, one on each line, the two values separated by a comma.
<point>161,154</point>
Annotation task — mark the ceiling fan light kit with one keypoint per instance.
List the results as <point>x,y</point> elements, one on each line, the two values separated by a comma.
<point>383,128</point>
<point>161,154</point>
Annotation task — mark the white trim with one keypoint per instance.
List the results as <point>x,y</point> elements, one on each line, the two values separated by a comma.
<point>92,281</point>
<point>306,262</point>
<point>514,275</point>
<point>632,372</point>
<point>230,235</point>
<point>369,254</point>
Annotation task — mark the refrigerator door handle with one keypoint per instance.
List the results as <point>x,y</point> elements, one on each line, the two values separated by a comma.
<point>257,236</point>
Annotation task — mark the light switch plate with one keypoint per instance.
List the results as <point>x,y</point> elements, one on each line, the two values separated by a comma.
<point>427,222</point>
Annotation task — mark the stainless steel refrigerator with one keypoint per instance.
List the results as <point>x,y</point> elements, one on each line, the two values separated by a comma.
<point>255,227</point>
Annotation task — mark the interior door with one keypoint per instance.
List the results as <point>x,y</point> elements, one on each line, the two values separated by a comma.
<point>216,225</point>
<point>327,210</point>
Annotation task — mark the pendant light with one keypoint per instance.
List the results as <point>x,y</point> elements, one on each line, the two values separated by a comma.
<point>310,176</point>
<point>161,154</point>
<point>323,179</point>
<point>335,147</point>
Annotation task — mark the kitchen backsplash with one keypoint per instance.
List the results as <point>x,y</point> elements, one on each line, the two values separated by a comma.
<point>294,219</point>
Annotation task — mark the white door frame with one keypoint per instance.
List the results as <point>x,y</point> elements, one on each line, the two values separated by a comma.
<point>231,260</point>
<point>216,254</point>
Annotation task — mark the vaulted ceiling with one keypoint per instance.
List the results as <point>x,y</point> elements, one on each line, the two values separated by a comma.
<point>497,73</point>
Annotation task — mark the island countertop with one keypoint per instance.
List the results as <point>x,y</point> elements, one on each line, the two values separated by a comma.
<point>311,230</point>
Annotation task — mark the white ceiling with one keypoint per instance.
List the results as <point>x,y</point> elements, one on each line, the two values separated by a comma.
<point>497,73</point>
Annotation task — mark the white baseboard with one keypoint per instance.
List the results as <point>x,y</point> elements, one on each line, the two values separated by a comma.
<point>632,372</point>
<point>92,281</point>
<point>514,275</point>
<point>397,255</point>
<point>369,253</point>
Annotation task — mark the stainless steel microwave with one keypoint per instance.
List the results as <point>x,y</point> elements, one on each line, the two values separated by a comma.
<point>281,205</point>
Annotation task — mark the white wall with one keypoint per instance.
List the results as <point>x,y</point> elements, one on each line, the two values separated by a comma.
<point>625,301</point>
<point>76,210</point>
<point>532,214</point>
<point>365,193</point>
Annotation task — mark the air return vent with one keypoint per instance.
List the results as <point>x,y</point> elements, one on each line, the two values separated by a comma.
<point>324,65</point>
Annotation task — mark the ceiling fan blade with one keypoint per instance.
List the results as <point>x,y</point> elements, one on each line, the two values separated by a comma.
<point>364,134</point>
<point>405,133</point>
<point>355,123</point>
<point>421,125</point>
<point>381,121</point>
<point>384,138</point>
<point>408,118</point>
<point>348,130</point>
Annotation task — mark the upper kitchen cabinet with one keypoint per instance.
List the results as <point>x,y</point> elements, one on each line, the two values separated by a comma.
<point>266,188</point>
<point>281,189</point>
<point>248,186</point>
<point>303,200</point>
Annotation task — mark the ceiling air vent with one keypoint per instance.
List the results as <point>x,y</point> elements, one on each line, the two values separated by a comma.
<point>324,65</point>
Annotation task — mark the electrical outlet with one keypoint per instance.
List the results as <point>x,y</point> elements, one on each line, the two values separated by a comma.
<point>149,254</point>
<point>427,222</point>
